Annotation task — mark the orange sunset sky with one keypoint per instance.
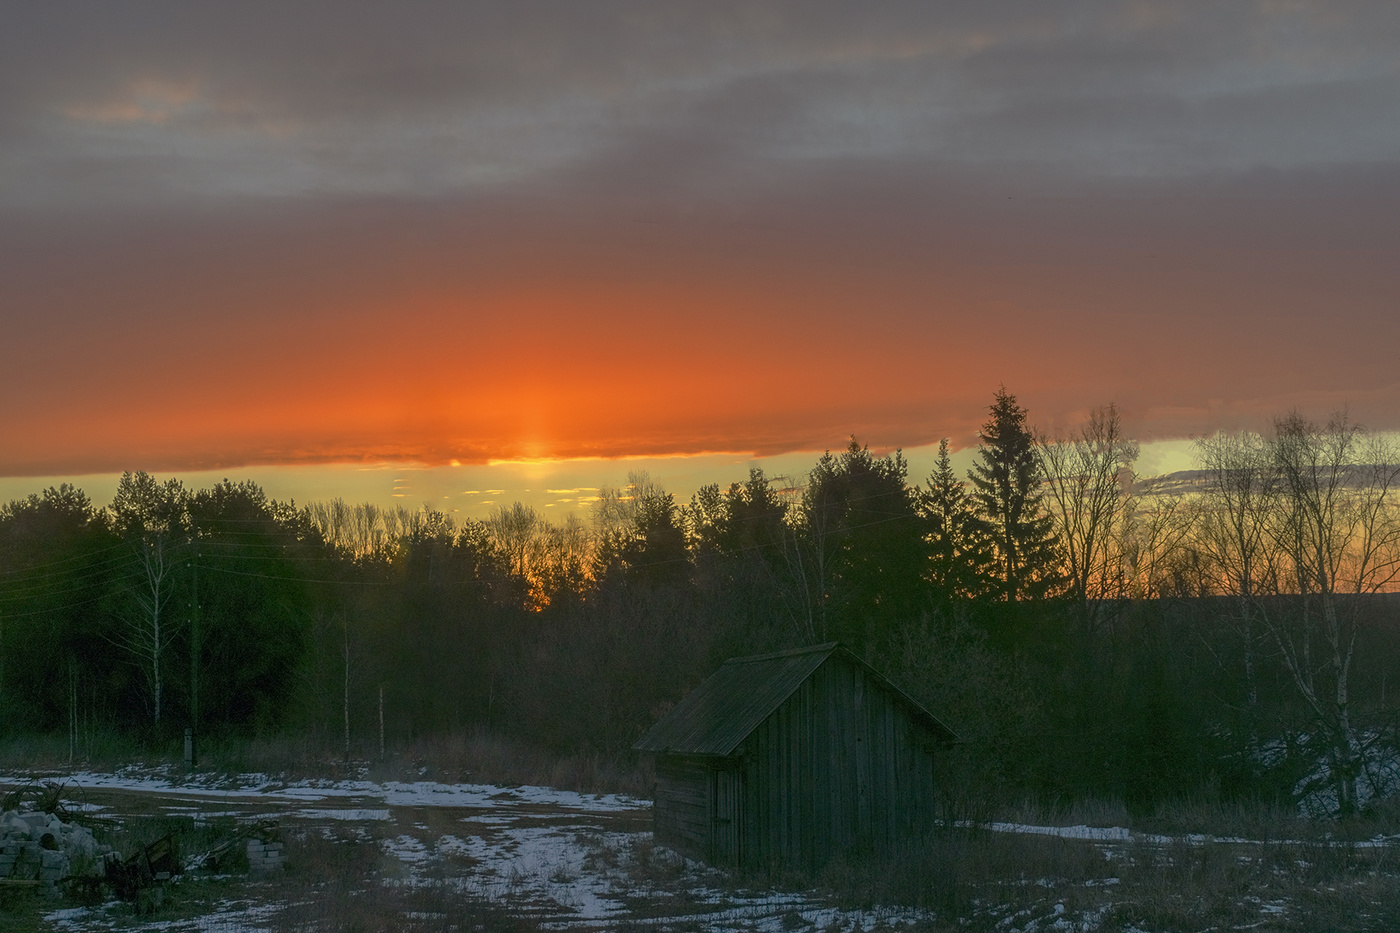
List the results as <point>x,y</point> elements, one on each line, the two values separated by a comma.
<point>376,250</point>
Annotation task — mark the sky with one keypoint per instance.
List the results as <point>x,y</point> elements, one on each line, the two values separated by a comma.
<point>429,250</point>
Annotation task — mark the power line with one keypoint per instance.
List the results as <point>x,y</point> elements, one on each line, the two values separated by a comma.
<point>64,560</point>
<point>85,602</point>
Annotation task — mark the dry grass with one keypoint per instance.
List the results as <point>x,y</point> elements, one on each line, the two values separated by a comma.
<point>953,872</point>
<point>475,757</point>
<point>98,750</point>
<point>487,759</point>
<point>989,880</point>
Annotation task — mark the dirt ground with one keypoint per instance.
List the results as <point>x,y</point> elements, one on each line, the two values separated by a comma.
<point>436,856</point>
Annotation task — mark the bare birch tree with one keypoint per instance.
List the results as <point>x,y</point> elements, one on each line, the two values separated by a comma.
<point>1301,527</point>
<point>1088,478</point>
<point>1232,516</point>
<point>1156,561</point>
<point>152,516</point>
<point>1337,528</point>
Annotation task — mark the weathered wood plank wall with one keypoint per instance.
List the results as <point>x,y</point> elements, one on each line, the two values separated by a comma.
<point>840,764</point>
<point>684,806</point>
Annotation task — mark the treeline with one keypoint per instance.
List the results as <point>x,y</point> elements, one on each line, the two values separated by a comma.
<point>1085,631</point>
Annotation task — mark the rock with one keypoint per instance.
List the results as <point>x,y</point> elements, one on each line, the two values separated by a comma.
<point>11,824</point>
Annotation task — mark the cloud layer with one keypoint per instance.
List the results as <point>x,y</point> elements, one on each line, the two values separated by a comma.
<point>436,231</point>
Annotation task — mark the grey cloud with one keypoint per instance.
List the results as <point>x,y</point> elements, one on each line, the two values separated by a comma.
<point>427,99</point>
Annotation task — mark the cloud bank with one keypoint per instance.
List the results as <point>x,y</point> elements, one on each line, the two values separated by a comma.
<point>436,232</point>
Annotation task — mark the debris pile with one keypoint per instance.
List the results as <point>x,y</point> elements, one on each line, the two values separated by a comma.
<point>139,877</point>
<point>40,847</point>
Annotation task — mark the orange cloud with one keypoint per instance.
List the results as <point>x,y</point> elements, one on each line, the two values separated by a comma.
<point>477,332</point>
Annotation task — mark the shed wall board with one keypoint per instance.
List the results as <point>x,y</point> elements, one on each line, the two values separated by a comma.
<point>836,766</point>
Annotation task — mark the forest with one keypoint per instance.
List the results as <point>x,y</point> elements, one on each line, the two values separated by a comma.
<point>1224,634</point>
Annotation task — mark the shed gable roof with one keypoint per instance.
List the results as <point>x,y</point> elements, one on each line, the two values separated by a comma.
<point>716,717</point>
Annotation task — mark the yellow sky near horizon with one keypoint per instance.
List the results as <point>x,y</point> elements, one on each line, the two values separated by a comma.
<point>554,488</point>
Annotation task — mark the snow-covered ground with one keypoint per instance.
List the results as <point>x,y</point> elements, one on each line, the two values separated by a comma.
<point>391,793</point>
<point>567,860</point>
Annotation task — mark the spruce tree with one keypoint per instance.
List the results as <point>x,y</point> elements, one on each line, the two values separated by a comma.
<point>1007,494</point>
<point>960,554</point>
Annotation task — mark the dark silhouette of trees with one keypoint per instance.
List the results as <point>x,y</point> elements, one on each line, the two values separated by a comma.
<point>244,578</point>
<point>742,545</point>
<point>1007,491</point>
<point>59,568</point>
<point>153,518</point>
<point>570,637</point>
<point>642,536</point>
<point>959,551</point>
<point>866,544</point>
<point>748,517</point>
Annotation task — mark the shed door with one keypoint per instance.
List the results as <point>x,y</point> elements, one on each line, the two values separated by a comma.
<point>728,818</point>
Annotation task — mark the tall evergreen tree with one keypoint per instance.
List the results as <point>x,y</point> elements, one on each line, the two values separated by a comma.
<point>1007,493</point>
<point>865,542</point>
<point>959,552</point>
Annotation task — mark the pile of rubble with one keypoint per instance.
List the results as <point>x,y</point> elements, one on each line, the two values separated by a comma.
<point>264,856</point>
<point>39,847</point>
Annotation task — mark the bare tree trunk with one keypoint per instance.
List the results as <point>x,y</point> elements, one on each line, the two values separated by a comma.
<point>150,635</point>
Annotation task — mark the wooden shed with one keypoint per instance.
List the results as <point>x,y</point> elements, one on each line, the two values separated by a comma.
<point>789,758</point>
